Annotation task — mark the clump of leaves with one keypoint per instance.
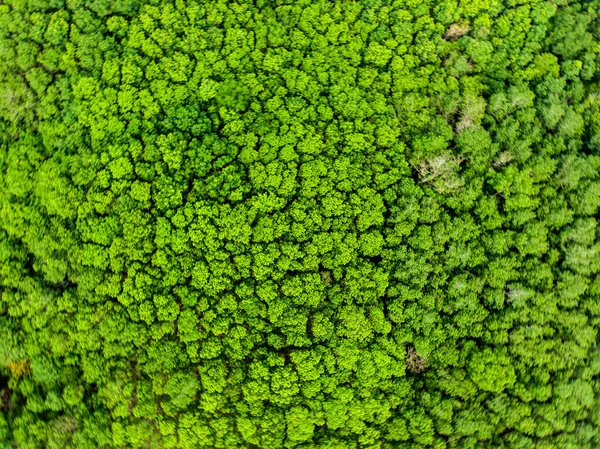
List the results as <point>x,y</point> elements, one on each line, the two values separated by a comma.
<point>19,368</point>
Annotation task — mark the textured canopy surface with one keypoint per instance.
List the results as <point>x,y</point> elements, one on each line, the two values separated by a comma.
<point>299,224</point>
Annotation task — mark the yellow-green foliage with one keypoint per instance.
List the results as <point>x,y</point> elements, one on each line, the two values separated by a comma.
<point>299,224</point>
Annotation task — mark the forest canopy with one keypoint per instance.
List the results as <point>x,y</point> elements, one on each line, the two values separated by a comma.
<point>299,224</point>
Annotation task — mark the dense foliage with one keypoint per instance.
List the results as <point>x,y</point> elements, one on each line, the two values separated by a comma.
<point>278,224</point>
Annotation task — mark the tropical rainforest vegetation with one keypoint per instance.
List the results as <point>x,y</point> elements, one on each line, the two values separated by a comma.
<point>299,224</point>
